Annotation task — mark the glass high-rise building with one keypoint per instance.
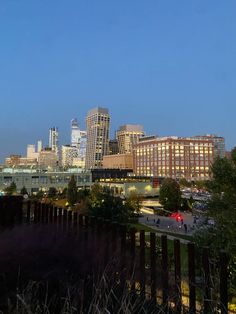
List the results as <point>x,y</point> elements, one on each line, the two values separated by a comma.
<point>75,133</point>
<point>98,124</point>
<point>53,139</point>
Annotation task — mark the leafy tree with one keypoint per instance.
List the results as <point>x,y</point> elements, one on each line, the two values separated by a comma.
<point>72,191</point>
<point>52,192</point>
<point>24,191</point>
<point>170,195</point>
<point>133,202</point>
<point>184,183</point>
<point>102,203</point>
<point>40,194</point>
<point>222,208</point>
<point>11,189</point>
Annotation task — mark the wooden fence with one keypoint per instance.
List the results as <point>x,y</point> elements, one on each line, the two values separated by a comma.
<point>145,265</point>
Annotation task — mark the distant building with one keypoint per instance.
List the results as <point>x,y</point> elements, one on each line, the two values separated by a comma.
<point>34,180</point>
<point>173,157</point>
<point>113,147</point>
<point>48,159</point>
<point>39,146</point>
<point>98,124</point>
<point>19,161</point>
<point>75,133</point>
<point>31,152</point>
<point>118,161</point>
<point>78,140</point>
<point>218,141</point>
<point>68,155</point>
<point>53,139</point>
<point>127,136</point>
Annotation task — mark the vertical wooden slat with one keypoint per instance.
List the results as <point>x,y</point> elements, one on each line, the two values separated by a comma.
<point>65,217</point>
<point>59,216</point>
<point>46,209</point>
<point>224,260</point>
<point>191,276</point>
<point>75,220</point>
<point>132,258</point>
<point>142,263</point>
<point>123,245</point>
<point>55,214</point>
<point>51,214</point>
<point>153,266</point>
<point>207,293</point>
<point>28,212</point>
<point>69,219</point>
<point>164,254</point>
<point>178,294</point>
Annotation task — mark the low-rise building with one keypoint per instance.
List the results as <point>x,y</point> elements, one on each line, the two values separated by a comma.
<point>118,161</point>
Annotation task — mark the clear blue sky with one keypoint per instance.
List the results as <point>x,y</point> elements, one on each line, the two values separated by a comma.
<point>169,65</point>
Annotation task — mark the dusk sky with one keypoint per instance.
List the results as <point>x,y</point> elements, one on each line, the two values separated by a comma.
<point>169,65</point>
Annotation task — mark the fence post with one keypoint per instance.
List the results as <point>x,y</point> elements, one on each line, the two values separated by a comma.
<point>28,212</point>
<point>224,261</point>
<point>59,216</point>
<point>69,219</point>
<point>35,211</point>
<point>178,298</point>
<point>191,276</point>
<point>65,215</point>
<point>153,266</point>
<point>51,214</point>
<point>123,244</point>
<point>132,259</point>
<point>55,212</point>
<point>46,208</point>
<point>207,292</point>
<point>164,260</point>
<point>75,220</point>
<point>142,263</point>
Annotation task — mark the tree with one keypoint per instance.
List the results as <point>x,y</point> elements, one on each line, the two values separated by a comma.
<point>40,194</point>
<point>52,192</point>
<point>11,189</point>
<point>102,203</point>
<point>222,208</point>
<point>170,195</point>
<point>184,183</point>
<point>133,201</point>
<point>24,191</point>
<point>72,191</point>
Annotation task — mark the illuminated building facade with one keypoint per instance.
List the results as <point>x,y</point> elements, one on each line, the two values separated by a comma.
<point>119,161</point>
<point>98,124</point>
<point>173,157</point>
<point>218,141</point>
<point>127,136</point>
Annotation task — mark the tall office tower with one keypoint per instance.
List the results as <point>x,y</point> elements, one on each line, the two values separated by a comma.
<point>218,141</point>
<point>75,133</point>
<point>127,136</point>
<point>39,146</point>
<point>98,123</point>
<point>53,139</point>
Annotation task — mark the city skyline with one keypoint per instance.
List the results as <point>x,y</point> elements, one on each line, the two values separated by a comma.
<point>166,66</point>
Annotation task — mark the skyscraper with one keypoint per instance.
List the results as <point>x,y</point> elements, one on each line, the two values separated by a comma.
<point>53,139</point>
<point>98,123</point>
<point>75,133</point>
